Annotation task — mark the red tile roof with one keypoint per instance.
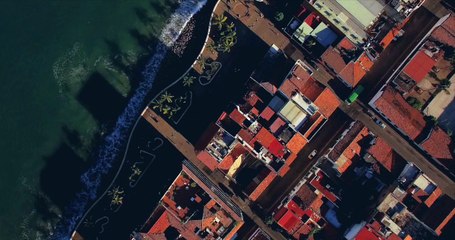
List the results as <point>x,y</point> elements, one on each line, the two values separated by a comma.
<point>419,66</point>
<point>237,116</point>
<point>288,88</point>
<point>266,139</point>
<point>316,182</point>
<point>439,146</point>
<point>346,44</point>
<point>333,59</point>
<point>267,113</point>
<point>313,20</point>
<point>296,143</point>
<point>403,115</point>
<point>290,222</point>
<point>367,234</point>
<point>382,152</point>
<point>207,159</point>
<point>446,32</point>
<point>262,186</point>
<point>327,102</point>
<point>295,208</point>
<point>246,135</point>
<point>277,124</point>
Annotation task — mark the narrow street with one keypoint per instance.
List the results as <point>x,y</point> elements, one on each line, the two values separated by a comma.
<point>281,187</point>
<point>187,150</point>
<point>402,147</point>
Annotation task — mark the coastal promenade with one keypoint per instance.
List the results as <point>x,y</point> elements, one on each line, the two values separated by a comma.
<point>187,150</point>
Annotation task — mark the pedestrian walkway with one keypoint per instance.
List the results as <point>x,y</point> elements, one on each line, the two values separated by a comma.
<point>187,150</point>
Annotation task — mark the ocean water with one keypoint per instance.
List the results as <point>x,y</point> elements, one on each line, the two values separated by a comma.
<point>57,58</point>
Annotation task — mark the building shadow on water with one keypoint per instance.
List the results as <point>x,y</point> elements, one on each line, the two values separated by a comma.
<point>101,99</point>
<point>60,178</point>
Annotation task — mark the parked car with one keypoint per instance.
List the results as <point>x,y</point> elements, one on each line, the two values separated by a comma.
<point>379,123</point>
<point>312,154</point>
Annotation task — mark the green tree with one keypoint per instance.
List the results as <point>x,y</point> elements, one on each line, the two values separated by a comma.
<point>219,21</point>
<point>279,16</point>
<point>188,80</point>
<point>167,97</point>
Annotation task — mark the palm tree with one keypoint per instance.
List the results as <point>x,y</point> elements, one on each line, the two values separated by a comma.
<point>219,21</point>
<point>116,191</point>
<point>158,104</point>
<point>230,27</point>
<point>188,81</point>
<point>166,110</point>
<point>136,171</point>
<point>117,201</point>
<point>167,97</point>
<point>310,43</point>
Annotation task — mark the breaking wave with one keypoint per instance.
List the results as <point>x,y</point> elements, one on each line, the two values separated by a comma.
<point>110,150</point>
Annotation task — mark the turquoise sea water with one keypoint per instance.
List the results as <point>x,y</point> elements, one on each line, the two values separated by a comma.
<point>48,50</point>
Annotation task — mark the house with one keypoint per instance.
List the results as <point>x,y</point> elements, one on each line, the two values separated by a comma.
<point>353,18</point>
<point>419,66</point>
<point>192,208</point>
<point>272,124</point>
<point>446,32</point>
<point>412,123</point>
<point>416,208</point>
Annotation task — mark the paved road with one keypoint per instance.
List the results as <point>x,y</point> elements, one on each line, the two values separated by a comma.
<point>281,187</point>
<point>417,27</point>
<point>402,147</point>
<point>187,149</point>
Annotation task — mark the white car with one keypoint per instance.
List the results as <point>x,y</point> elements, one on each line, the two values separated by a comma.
<point>312,154</point>
<point>380,123</point>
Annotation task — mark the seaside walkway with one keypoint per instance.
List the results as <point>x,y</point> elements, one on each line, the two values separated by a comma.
<point>187,150</point>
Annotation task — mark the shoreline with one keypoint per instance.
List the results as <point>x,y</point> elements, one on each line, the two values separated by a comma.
<point>163,74</point>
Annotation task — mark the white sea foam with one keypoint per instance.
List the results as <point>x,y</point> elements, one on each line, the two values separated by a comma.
<point>115,140</point>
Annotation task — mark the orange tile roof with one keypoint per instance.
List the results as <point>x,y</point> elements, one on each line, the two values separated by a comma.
<point>292,157</point>
<point>327,102</point>
<point>315,126</point>
<point>353,150</point>
<point>403,115</point>
<point>227,161</point>
<point>160,225</point>
<point>439,146</point>
<point>208,160</point>
<point>262,186</point>
<point>355,71</point>
<point>382,152</point>
<point>246,135</point>
<point>433,196</point>
<point>296,143</point>
<point>283,170</point>
<point>346,44</point>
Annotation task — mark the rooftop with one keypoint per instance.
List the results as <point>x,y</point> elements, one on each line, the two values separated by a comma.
<point>419,66</point>
<point>446,32</point>
<point>355,71</point>
<point>384,154</point>
<point>403,115</point>
<point>191,210</point>
<point>440,146</point>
